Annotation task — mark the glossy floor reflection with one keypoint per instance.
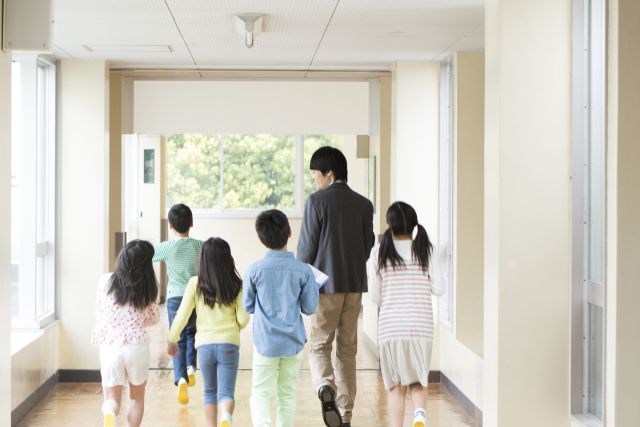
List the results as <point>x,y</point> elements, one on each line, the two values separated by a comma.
<point>78,405</point>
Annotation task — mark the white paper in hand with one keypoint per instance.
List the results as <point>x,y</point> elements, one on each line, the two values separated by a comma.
<point>321,278</point>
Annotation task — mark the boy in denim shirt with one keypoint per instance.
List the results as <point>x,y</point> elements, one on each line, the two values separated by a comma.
<point>275,290</point>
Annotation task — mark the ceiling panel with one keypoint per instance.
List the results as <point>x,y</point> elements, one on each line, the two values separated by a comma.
<point>296,33</point>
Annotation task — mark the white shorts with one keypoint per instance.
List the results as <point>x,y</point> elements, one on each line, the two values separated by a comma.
<point>117,362</point>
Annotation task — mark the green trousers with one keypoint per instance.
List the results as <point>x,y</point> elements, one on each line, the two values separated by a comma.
<point>264,375</point>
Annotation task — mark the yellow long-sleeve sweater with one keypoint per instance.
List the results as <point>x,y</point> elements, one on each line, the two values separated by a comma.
<point>218,325</point>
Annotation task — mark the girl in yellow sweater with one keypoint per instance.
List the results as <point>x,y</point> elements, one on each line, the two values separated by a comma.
<point>216,295</point>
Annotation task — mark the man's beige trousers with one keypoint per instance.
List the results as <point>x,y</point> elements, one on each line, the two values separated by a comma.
<point>336,317</point>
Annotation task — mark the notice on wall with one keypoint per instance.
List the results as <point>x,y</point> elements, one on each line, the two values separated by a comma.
<point>149,163</point>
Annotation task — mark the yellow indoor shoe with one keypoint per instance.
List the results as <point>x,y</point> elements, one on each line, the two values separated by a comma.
<point>192,376</point>
<point>418,423</point>
<point>109,420</point>
<point>225,423</point>
<point>183,394</point>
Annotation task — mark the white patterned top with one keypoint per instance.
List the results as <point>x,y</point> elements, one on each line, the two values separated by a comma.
<point>121,324</point>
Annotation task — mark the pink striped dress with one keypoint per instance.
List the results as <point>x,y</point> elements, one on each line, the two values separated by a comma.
<point>406,320</point>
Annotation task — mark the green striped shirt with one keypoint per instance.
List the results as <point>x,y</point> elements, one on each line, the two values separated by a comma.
<point>181,257</point>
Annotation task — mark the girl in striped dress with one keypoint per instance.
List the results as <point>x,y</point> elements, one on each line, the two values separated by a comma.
<point>403,274</point>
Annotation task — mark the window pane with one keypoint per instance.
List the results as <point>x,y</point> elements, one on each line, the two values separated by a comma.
<point>41,288</point>
<point>41,152</point>
<point>259,171</point>
<point>193,170</point>
<point>596,140</point>
<point>15,289</point>
<point>311,144</point>
<point>596,357</point>
<point>15,188</point>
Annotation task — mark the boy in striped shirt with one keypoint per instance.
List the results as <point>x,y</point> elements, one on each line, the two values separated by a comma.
<point>181,257</point>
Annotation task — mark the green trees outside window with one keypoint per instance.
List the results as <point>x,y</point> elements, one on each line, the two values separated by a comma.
<point>250,172</point>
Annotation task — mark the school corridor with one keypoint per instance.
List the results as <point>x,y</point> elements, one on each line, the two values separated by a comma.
<point>79,405</point>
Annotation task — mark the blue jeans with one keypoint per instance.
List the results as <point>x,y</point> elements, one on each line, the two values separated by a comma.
<point>219,369</point>
<point>188,356</point>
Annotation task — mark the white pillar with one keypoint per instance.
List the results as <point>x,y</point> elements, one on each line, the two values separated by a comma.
<point>527,213</point>
<point>415,148</point>
<point>622,316</point>
<point>84,222</point>
<point>5,243</point>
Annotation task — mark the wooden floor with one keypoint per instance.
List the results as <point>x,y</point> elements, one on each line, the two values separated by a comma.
<point>78,405</point>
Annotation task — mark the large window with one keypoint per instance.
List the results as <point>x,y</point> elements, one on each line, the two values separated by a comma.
<point>239,174</point>
<point>32,192</point>
<point>594,214</point>
<point>446,194</point>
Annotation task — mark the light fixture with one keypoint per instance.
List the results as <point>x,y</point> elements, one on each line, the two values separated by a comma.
<point>249,26</point>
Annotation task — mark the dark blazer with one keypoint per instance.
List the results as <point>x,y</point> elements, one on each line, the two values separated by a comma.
<point>337,237</point>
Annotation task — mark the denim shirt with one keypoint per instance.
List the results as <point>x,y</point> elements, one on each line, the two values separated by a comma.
<point>275,290</point>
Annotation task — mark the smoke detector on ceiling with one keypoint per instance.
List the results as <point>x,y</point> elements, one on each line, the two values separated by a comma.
<point>249,26</point>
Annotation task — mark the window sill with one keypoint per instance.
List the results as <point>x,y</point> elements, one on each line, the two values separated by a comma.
<point>20,338</point>
<point>475,345</point>
<point>586,420</point>
<point>236,214</point>
<point>447,324</point>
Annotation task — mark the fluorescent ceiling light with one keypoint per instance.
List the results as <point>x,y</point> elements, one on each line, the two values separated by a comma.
<point>128,48</point>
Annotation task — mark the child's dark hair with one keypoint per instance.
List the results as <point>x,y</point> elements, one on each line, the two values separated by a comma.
<point>402,219</point>
<point>327,159</point>
<point>273,229</point>
<point>133,280</point>
<point>180,218</point>
<point>218,279</point>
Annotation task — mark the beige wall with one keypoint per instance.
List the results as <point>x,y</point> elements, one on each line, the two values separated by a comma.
<point>5,245</point>
<point>32,365</point>
<point>84,221</point>
<point>468,104</point>
<point>415,143</point>
<point>115,164</point>
<point>527,213</point>
<point>623,210</point>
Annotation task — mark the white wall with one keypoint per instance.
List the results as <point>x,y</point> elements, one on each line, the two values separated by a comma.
<point>33,364</point>
<point>275,107</point>
<point>415,150</point>
<point>84,221</point>
<point>5,245</point>
<point>527,213</point>
<point>462,366</point>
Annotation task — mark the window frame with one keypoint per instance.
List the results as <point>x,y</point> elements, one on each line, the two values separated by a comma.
<point>40,194</point>
<point>584,291</point>
<point>445,302</point>
<point>221,213</point>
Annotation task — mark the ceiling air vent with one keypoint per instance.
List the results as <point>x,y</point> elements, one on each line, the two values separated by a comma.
<point>128,48</point>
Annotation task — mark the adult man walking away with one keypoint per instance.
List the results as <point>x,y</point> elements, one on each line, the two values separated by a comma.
<point>336,238</point>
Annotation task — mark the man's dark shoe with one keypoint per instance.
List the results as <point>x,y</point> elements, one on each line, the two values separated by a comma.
<point>330,412</point>
<point>346,424</point>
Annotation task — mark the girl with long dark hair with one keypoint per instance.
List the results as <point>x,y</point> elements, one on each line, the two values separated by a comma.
<point>403,273</point>
<point>216,295</point>
<point>125,305</point>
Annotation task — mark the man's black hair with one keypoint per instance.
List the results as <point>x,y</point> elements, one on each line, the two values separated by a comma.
<point>273,229</point>
<point>180,218</point>
<point>327,159</point>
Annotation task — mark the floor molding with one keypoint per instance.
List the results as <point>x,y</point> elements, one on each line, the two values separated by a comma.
<point>30,402</point>
<point>473,411</point>
<point>79,376</point>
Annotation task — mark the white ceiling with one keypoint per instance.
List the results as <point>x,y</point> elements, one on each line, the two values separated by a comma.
<point>297,34</point>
